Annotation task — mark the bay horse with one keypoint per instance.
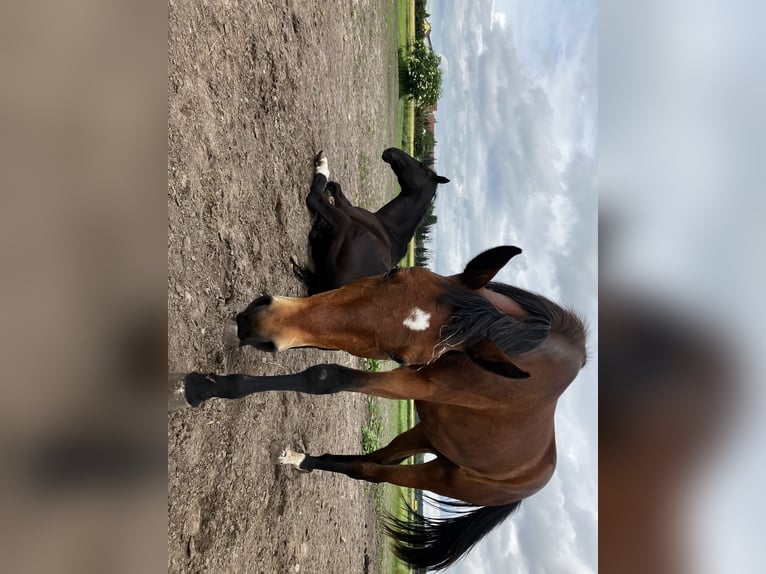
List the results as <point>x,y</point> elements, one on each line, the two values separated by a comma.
<point>484,362</point>
<point>348,242</point>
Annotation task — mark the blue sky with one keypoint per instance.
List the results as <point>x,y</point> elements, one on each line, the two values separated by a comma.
<point>516,131</point>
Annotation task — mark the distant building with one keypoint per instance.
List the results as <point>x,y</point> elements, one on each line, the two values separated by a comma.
<point>431,120</point>
<point>429,112</point>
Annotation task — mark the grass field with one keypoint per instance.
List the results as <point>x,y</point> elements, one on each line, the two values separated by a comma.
<point>395,417</point>
<point>388,419</point>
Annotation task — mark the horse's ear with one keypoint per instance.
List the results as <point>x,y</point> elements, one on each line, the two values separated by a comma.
<point>441,179</point>
<point>482,268</point>
<point>489,358</point>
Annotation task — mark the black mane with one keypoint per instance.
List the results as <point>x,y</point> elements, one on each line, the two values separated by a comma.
<point>474,318</point>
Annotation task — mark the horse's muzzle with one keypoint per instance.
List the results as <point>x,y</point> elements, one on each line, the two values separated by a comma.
<point>243,327</point>
<point>245,319</point>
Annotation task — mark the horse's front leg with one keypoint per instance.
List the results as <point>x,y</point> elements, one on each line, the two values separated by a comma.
<point>195,388</point>
<point>317,380</point>
<point>321,175</point>
<point>316,200</point>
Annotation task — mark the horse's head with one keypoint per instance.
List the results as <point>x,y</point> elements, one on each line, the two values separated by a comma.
<point>411,315</point>
<point>412,174</point>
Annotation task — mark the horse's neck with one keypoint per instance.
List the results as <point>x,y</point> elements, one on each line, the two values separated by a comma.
<point>402,214</point>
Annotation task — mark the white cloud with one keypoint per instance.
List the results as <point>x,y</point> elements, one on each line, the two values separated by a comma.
<point>498,18</point>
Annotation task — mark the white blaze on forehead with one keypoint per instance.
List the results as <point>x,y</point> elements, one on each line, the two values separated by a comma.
<point>417,320</point>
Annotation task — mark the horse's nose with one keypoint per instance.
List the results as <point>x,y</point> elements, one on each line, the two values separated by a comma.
<point>243,327</point>
<point>391,155</point>
<point>245,318</point>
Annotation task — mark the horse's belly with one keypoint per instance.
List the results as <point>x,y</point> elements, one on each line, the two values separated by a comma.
<point>482,443</point>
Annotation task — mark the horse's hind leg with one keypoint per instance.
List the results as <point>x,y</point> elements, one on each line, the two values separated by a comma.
<point>439,475</point>
<point>340,198</point>
<point>402,447</point>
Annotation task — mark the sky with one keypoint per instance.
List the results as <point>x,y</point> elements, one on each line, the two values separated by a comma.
<point>516,134</point>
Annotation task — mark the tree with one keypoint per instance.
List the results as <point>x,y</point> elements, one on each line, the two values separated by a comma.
<point>424,78</point>
<point>420,17</point>
<point>427,160</point>
<point>424,144</point>
<point>423,232</point>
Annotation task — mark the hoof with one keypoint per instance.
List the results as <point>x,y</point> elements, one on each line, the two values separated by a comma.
<point>291,457</point>
<point>193,389</point>
<point>176,392</point>
<point>321,165</point>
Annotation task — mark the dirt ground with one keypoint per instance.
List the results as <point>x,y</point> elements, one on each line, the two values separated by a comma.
<point>255,89</point>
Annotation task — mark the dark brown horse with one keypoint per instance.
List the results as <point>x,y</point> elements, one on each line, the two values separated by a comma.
<point>348,242</point>
<point>484,362</point>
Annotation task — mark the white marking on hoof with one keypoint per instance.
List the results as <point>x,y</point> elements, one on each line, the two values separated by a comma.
<point>417,320</point>
<point>290,457</point>
<point>321,166</point>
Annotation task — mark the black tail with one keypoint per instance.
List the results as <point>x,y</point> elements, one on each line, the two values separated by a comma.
<point>435,543</point>
<point>320,241</point>
<point>307,277</point>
